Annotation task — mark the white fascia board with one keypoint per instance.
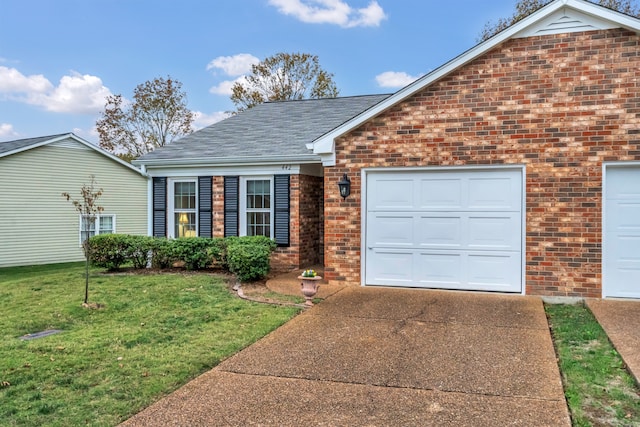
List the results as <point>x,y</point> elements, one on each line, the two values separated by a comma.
<point>224,170</point>
<point>325,144</point>
<point>226,161</point>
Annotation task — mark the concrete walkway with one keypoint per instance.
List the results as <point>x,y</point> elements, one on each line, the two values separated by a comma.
<point>620,319</point>
<point>378,357</point>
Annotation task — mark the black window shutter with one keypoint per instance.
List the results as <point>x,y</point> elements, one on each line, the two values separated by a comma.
<point>282,212</point>
<point>231,205</point>
<point>160,206</point>
<point>204,206</point>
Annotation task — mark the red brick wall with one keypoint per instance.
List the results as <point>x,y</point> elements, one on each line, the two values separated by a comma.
<point>310,218</point>
<point>560,104</point>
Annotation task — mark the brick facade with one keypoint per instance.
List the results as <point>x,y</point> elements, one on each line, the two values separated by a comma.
<point>305,230</point>
<point>559,104</point>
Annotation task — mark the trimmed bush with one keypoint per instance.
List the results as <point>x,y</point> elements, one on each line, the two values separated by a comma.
<point>163,255</point>
<point>194,251</point>
<point>249,257</point>
<point>140,248</point>
<point>217,251</point>
<point>110,251</point>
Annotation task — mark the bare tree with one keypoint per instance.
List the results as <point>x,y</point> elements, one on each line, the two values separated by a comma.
<point>89,210</point>
<point>282,77</point>
<point>156,117</point>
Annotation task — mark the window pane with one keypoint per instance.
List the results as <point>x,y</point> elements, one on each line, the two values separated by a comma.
<point>258,224</point>
<point>184,196</point>
<point>185,224</point>
<point>106,224</point>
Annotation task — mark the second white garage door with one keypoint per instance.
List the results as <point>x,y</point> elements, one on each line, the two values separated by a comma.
<point>449,229</point>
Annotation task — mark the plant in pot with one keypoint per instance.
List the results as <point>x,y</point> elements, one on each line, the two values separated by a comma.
<point>310,284</point>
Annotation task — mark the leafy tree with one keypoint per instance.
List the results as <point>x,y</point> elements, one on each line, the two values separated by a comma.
<point>525,8</point>
<point>282,77</point>
<point>88,208</point>
<point>157,116</point>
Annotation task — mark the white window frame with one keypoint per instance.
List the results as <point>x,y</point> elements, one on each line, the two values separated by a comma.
<point>243,203</point>
<point>97,227</point>
<point>171,223</point>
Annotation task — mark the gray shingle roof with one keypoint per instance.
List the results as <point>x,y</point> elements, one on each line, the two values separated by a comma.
<point>272,129</point>
<point>19,144</point>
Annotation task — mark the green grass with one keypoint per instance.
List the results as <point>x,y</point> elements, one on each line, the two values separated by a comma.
<point>154,333</point>
<point>599,390</point>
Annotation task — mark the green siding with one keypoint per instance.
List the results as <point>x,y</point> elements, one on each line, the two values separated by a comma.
<point>38,225</point>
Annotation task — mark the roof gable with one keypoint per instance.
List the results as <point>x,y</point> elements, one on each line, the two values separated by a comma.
<point>556,17</point>
<point>567,20</point>
<point>67,140</point>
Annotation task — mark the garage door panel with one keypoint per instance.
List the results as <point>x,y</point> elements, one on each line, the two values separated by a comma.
<point>622,183</point>
<point>621,254</point>
<point>493,193</point>
<point>441,194</point>
<point>391,268</point>
<point>495,232</point>
<point>439,231</point>
<point>392,193</point>
<point>494,271</point>
<point>391,230</point>
<point>623,215</point>
<point>440,269</point>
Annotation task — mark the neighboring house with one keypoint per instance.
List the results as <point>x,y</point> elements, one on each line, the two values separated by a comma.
<point>37,224</point>
<point>515,167</point>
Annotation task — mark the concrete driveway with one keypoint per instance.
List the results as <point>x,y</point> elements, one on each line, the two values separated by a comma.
<point>379,357</point>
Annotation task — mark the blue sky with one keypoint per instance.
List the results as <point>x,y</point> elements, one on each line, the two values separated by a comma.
<point>60,59</point>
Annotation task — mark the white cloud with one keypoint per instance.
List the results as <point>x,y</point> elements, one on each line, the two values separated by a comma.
<point>331,12</point>
<point>204,120</point>
<point>75,93</point>
<point>13,81</point>
<point>235,65</point>
<point>224,88</point>
<point>395,79</point>
<point>7,131</point>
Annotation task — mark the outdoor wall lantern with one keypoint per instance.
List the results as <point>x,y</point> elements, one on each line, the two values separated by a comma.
<point>345,186</point>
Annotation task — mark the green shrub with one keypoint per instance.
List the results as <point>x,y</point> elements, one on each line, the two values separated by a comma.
<point>140,247</point>
<point>163,255</point>
<point>194,251</point>
<point>217,251</point>
<point>249,257</point>
<point>110,251</point>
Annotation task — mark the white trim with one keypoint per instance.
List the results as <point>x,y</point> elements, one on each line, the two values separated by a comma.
<point>603,234</point>
<point>324,145</point>
<point>242,208</point>
<point>170,214</point>
<point>255,170</point>
<point>467,168</point>
<point>231,161</point>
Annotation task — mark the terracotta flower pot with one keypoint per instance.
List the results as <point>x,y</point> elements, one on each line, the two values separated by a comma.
<point>309,287</point>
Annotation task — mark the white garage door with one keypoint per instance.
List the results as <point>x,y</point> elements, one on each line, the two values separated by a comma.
<point>621,254</point>
<point>449,229</point>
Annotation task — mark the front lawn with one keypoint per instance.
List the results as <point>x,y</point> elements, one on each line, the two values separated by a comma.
<point>154,333</point>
